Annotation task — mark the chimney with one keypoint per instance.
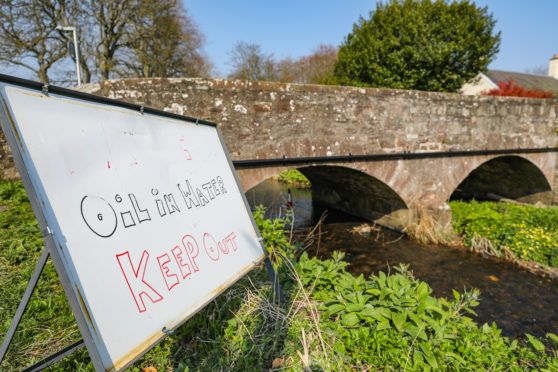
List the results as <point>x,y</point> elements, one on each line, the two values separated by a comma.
<point>553,67</point>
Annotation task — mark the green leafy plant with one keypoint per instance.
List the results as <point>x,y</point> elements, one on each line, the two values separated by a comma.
<point>273,234</point>
<point>393,322</point>
<point>294,177</point>
<point>527,232</point>
<point>431,45</point>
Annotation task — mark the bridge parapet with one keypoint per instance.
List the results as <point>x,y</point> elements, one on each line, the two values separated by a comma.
<point>267,120</point>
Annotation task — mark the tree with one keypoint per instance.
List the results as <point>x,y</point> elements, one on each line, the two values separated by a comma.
<point>71,13</point>
<point>539,70</point>
<point>510,88</point>
<point>287,70</point>
<point>249,62</point>
<point>116,38</point>
<point>31,40</point>
<point>309,69</point>
<point>317,66</point>
<point>428,45</point>
<point>110,17</point>
<point>164,42</point>
<point>29,37</point>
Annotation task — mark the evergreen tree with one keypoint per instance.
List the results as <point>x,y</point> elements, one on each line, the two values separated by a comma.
<point>418,44</point>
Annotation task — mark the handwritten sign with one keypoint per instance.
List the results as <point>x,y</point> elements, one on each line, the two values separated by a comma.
<point>145,212</point>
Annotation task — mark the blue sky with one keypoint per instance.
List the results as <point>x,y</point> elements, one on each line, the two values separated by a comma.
<point>295,27</point>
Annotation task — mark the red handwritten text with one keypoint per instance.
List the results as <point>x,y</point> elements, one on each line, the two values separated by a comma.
<point>176,265</point>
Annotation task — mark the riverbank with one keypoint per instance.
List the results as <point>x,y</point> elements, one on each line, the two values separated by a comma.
<point>511,296</point>
<point>335,321</point>
<point>332,320</point>
<point>524,234</point>
<point>515,299</point>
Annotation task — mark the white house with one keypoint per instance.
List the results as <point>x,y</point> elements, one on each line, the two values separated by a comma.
<point>490,79</point>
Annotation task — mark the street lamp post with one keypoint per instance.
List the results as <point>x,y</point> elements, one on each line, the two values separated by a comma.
<point>76,49</point>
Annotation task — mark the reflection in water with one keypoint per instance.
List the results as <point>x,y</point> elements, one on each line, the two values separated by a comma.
<point>519,302</point>
<point>273,195</point>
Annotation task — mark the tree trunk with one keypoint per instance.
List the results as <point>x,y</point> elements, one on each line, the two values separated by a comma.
<point>42,74</point>
<point>85,72</point>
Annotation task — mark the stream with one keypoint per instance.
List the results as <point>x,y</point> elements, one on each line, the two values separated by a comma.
<point>518,301</point>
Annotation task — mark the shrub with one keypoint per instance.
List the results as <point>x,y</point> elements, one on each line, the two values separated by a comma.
<point>510,88</point>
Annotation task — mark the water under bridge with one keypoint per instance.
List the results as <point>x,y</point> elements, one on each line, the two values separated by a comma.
<point>374,153</point>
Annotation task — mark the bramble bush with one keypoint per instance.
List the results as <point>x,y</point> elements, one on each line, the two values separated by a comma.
<point>528,232</point>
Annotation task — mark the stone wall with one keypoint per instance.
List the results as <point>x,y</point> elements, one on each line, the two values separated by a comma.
<point>8,169</point>
<point>314,120</point>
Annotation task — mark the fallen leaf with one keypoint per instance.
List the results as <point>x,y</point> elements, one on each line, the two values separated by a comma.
<point>277,362</point>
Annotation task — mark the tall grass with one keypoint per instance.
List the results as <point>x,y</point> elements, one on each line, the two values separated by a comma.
<point>423,226</point>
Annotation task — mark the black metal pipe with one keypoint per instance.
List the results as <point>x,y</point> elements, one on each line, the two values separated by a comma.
<point>97,99</point>
<point>263,163</point>
<point>59,355</point>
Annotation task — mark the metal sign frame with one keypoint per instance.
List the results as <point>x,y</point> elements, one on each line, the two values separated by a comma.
<point>50,249</point>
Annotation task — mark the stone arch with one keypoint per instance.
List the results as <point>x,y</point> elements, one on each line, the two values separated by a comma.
<point>344,188</point>
<point>249,178</point>
<point>356,193</point>
<point>512,177</point>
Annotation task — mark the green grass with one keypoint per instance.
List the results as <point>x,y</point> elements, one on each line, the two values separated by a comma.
<point>527,232</point>
<point>47,324</point>
<point>331,321</point>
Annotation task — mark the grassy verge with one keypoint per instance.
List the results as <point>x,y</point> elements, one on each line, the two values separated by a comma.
<point>295,178</point>
<point>331,320</point>
<point>523,232</point>
<point>48,324</point>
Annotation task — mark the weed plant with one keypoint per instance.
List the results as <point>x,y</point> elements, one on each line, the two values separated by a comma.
<point>330,321</point>
<point>527,232</point>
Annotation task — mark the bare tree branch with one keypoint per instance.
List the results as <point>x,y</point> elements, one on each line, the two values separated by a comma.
<point>116,38</point>
<point>163,42</point>
<point>29,38</point>
<point>249,62</point>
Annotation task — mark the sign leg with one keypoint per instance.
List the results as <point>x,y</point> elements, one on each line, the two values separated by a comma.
<point>55,357</point>
<point>274,279</point>
<point>23,303</point>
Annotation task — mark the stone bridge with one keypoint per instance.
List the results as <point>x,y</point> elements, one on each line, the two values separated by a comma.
<point>261,120</point>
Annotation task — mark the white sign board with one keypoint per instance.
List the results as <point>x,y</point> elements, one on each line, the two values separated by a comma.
<point>145,212</point>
